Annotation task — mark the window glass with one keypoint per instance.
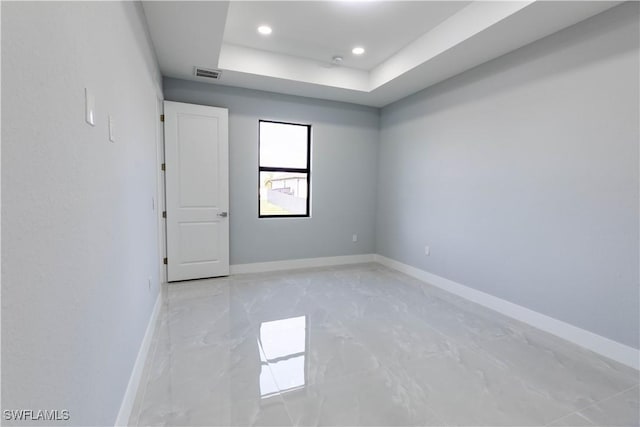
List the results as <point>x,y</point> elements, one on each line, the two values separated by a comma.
<point>283,145</point>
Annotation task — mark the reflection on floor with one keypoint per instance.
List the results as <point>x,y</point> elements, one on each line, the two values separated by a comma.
<point>364,345</point>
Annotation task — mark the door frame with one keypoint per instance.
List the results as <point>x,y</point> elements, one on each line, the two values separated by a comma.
<point>160,192</point>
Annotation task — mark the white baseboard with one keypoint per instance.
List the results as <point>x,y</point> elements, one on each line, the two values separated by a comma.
<point>596,343</point>
<point>293,264</point>
<point>136,374</point>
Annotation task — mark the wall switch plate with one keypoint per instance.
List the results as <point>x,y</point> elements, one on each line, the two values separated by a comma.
<point>354,238</point>
<point>427,250</point>
<point>112,136</point>
<point>89,107</point>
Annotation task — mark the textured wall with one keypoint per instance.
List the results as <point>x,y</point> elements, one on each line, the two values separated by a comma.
<point>522,177</point>
<point>343,173</point>
<point>79,236</point>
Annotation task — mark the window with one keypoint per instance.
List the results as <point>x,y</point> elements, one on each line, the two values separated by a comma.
<point>284,169</point>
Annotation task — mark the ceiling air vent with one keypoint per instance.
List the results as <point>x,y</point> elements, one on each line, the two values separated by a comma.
<point>207,72</point>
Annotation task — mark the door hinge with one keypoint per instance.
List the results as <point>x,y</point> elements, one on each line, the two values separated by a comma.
<point>165,261</point>
<point>163,167</point>
<point>164,214</point>
<point>162,117</point>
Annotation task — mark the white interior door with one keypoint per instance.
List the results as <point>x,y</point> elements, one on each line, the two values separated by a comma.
<point>197,187</point>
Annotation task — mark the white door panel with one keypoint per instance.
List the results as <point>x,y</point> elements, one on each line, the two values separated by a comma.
<point>197,181</point>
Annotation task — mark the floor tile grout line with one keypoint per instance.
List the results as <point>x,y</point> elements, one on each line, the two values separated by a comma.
<point>495,361</point>
<point>459,344</point>
<point>424,286</point>
<point>597,402</point>
<point>386,365</point>
<point>470,344</point>
<point>362,372</point>
<point>469,347</point>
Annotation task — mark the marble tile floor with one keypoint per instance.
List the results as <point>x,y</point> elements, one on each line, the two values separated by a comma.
<point>364,345</point>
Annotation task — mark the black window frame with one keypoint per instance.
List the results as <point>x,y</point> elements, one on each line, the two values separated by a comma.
<point>306,170</point>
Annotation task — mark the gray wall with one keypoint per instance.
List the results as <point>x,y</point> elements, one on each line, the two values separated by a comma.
<point>522,177</point>
<point>79,237</point>
<point>343,173</point>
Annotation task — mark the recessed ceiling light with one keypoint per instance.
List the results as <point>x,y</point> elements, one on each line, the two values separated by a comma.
<point>357,50</point>
<point>264,30</point>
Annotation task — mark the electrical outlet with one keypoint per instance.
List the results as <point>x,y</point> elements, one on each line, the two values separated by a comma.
<point>354,238</point>
<point>427,250</point>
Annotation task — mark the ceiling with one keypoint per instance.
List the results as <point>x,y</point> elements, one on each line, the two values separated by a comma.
<point>319,30</point>
<point>409,45</point>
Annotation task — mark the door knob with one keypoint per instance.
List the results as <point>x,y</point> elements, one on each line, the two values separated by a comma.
<point>223,214</point>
